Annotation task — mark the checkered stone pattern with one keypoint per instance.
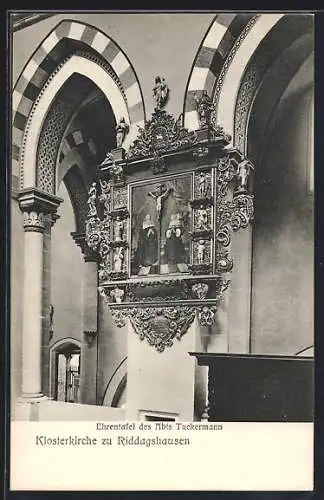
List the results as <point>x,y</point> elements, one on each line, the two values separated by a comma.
<point>54,128</point>
<point>219,41</point>
<point>66,39</point>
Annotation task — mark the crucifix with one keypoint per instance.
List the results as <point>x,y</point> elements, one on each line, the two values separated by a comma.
<point>159,194</point>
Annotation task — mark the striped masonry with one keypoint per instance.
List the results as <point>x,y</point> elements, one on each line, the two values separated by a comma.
<point>67,38</point>
<point>216,46</point>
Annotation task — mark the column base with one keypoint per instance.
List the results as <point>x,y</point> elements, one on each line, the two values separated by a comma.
<point>32,398</point>
<point>26,407</point>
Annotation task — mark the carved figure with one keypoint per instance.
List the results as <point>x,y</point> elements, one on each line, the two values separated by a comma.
<point>159,195</point>
<point>205,108</point>
<point>202,219</point>
<point>117,172</point>
<point>117,294</point>
<point>201,251</point>
<point>105,195</point>
<point>243,170</point>
<point>92,200</point>
<point>203,185</point>
<point>119,229</point>
<point>122,130</point>
<point>119,259</point>
<point>160,92</point>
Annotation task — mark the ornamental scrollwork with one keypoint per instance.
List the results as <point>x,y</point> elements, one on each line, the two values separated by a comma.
<point>160,326</point>
<point>119,317</point>
<point>234,215</point>
<point>161,134</point>
<point>206,315</point>
<point>235,204</point>
<point>200,290</point>
<point>224,262</point>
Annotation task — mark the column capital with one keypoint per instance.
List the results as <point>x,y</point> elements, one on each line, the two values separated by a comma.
<point>88,254</point>
<point>35,205</point>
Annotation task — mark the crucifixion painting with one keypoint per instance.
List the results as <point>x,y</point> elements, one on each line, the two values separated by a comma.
<point>160,193</point>
<point>160,221</point>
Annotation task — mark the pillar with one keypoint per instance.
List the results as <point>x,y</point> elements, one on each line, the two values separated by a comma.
<point>89,350</point>
<point>35,206</point>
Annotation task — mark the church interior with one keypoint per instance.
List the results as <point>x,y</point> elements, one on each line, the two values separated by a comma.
<point>162,232</point>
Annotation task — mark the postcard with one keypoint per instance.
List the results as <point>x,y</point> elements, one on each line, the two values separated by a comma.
<point>162,250</point>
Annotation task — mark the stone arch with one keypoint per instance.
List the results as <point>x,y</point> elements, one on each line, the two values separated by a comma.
<point>82,48</point>
<point>281,53</point>
<point>116,384</point>
<point>225,52</point>
<point>222,38</point>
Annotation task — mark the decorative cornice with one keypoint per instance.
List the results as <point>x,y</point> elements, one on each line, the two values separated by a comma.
<point>155,318</point>
<point>159,326</point>
<point>161,134</point>
<point>35,200</point>
<point>80,240</point>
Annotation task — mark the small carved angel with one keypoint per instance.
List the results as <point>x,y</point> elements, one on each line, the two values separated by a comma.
<point>243,170</point>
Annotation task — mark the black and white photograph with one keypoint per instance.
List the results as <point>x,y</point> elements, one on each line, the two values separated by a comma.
<point>162,218</point>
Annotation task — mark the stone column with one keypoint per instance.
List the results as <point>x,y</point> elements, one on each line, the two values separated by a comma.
<point>89,351</point>
<point>35,205</point>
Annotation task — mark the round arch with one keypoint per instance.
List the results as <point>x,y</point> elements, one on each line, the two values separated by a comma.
<point>116,384</point>
<point>58,346</point>
<point>223,36</point>
<point>221,61</point>
<point>74,65</point>
<point>48,69</point>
